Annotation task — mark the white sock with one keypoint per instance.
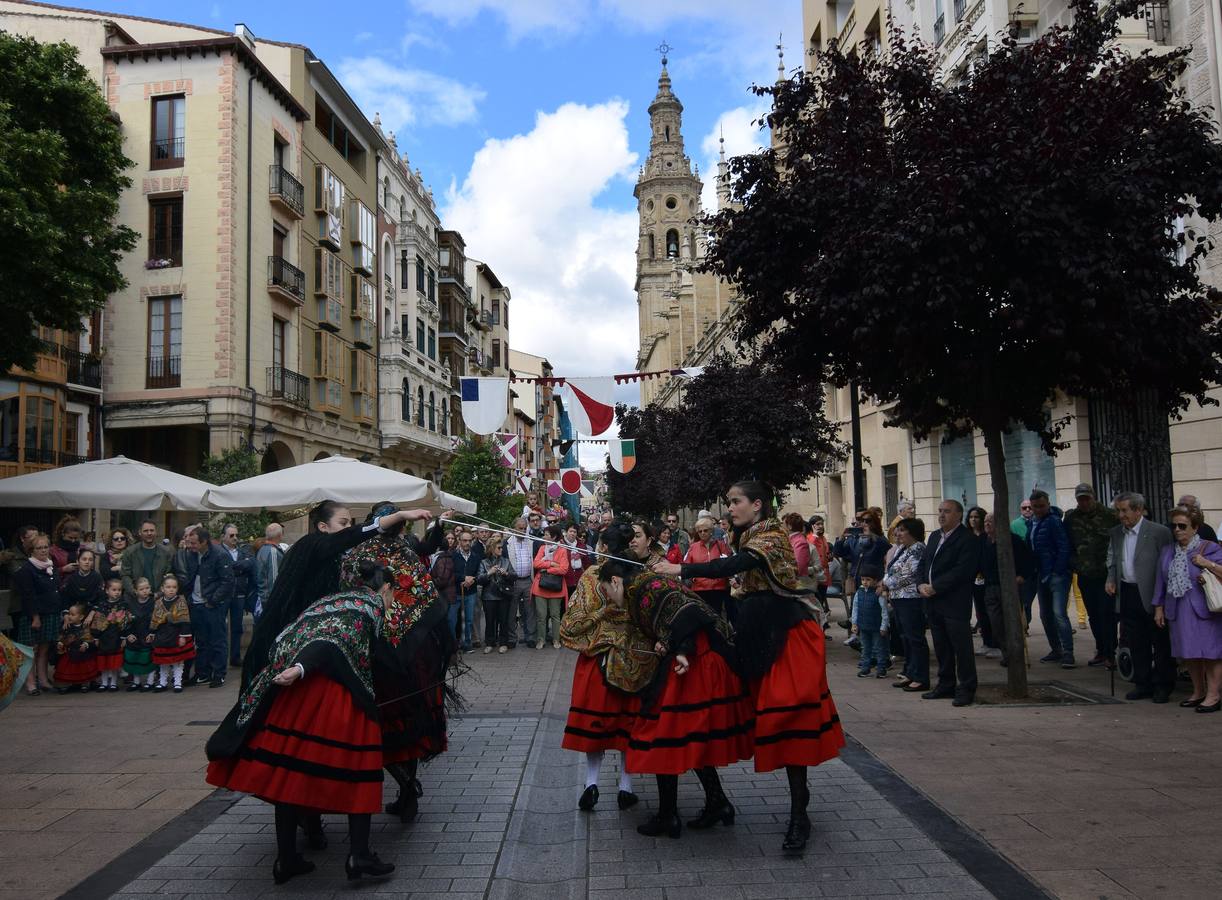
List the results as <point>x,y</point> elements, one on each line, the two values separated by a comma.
<point>594,762</point>
<point>165,674</point>
<point>177,674</point>
<point>151,678</point>
<point>625,779</point>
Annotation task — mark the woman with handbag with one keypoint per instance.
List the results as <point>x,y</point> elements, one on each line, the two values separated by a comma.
<point>550,590</point>
<point>1181,602</point>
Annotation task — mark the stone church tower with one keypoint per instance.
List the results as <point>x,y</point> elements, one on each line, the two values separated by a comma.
<point>668,200</point>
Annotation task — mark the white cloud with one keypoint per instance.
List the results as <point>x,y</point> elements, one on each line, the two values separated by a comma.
<point>742,136</point>
<point>529,207</point>
<point>522,16</point>
<point>408,96</point>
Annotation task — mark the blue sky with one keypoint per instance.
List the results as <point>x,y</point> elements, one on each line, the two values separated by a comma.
<point>528,119</point>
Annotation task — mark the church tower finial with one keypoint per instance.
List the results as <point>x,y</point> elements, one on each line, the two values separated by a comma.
<point>780,58</point>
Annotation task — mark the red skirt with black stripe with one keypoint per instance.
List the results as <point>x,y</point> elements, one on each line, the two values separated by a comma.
<point>76,671</point>
<point>167,656</point>
<point>315,749</point>
<point>600,717</point>
<point>796,723</point>
<point>426,746</point>
<point>703,718</point>
<point>110,661</point>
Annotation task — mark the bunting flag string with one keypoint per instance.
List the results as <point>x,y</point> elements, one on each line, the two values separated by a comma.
<point>625,378</point>
<point>556,442</point>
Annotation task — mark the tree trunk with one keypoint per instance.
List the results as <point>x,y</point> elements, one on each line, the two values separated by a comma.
<point>1011,607</point>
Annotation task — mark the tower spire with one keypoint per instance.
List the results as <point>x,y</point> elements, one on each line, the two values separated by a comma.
<point>723,173</point>
<point>780,58</point>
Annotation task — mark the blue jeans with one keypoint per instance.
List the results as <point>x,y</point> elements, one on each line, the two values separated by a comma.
<point>208,628</point>
<point>467,601</point>
<point>1054,603</point>
<point>875,650</point>
<point>236,610</point>
<point>911,613</point>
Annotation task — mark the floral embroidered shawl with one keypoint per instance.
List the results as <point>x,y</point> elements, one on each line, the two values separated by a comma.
<point>655,602</point>
<point>593,627</point>
<point>413,592</point>
<point>768,541</point>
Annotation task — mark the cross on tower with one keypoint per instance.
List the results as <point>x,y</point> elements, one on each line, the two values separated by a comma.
<point>664,48</point>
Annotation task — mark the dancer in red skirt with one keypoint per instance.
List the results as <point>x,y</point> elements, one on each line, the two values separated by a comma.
<point>305,733</point>
<point>612,651</point>
<point>78,651</point>
<point>411,657</point>
<point>779,651</point>
<point>695,711</point>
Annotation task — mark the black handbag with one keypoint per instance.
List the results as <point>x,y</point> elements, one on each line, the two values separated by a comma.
<point>549,581</point>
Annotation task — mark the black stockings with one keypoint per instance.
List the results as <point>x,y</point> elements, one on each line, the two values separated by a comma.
<point>358,833</point>
<point>668,795</point>
<point>714,796</point>
<point>799,793</point>
<point>404,774</point>
<point>287,818</point>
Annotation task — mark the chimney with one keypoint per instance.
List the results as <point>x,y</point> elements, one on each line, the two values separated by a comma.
<point>244,34</point>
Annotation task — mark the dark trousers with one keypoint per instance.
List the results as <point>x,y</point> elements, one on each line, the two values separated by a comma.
<point>996,616</point>
<point>1153,666</point>
<point>952,643</point>
<point>496,619</point>
<point>1026,595</point>
<point>236,610</point>
<point>983,623</point>
<point>911,615</point>
<point>208,628</point>
<point>1101,610</point>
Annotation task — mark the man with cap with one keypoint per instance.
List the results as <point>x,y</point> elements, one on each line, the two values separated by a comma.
<point>1089,525</point>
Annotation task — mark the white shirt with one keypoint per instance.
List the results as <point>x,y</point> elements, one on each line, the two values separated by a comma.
<point>1127,571</point>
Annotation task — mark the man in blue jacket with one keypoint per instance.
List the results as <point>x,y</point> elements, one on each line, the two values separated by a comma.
<point>1050,544</point>
<point>209,586</point>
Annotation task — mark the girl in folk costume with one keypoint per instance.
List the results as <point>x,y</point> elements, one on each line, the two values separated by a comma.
<point>83,585</point>
<point>410,657</point>
<point>137,654</point>
<point>695,711</point>
<point>78,653</point>
<point>305,734</point>
<point>169,634</point>
<point>109,621</point>
<point>611,650</point>
<point>780,650</point>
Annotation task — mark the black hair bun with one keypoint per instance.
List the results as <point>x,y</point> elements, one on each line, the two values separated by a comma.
<point>372,574</point>
<point>617,537</point>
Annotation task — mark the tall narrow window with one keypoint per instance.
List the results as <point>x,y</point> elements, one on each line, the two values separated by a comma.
<point>496,312</point>
<point>165,342</point>
<point>419,274</point>
<point>432,285</point>
<point>496,353</point>
<point>405,412</point>
<point>420,406</point>
<point>432,351</point>
<point>432,411</point>
<point>165,232</point>
<point>279,342</point>
<point>672,244</point>
<point>420,345</point>
<point>169,132</point>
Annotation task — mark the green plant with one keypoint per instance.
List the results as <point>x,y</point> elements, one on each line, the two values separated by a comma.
<point>475,473</point>
<point>235,464</point>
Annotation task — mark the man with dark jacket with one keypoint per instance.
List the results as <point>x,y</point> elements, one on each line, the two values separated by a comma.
<point>209,586</point>
<point>149,559</point>
<point>1050,544</point>
<point>1089,525</point>
<point>1024,572</point>
<point>466,571</point>
<point>947,576</point>
<point>245,589</point>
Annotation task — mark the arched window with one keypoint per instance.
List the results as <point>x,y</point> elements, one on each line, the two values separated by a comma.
<point>445,416</point>
<point>672,244</point>
<point>668,132</point>
<point>652,249</point>
<point>386,193</point>
<point>406,412</point>
<point>432,411</point>
<point>420,406</point>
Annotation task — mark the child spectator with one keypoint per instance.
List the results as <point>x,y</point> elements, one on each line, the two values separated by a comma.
<point>78,657</point>
<point>137,654</point>
<point>870,622</point>
<point>170,635</point>
<point>109,622</point>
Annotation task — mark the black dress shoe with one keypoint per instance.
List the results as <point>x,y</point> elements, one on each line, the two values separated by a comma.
<point>1212,707</point>
<point>283,871</point>
<point>626,800</point>
<point>797,835</point>
<point>914,687</point>
<point>1139,694</point>
<point>722,812</point>
<point>407,805</point>
<point>366,864</point>
<point>964,700</point>
<point>659,825</point>
<point>1188,704</point>
<point>589,797</point>
<point>938,693</point>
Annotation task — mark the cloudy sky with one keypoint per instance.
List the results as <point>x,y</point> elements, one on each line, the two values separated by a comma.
<point>528,118</point>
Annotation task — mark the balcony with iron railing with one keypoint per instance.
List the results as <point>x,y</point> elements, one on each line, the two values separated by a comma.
<point>287,191</point>
<point>482,319</point>
<point>1158,21</point>
<point>167,153</point>
<point>163,372</point>
<point>289,386</point>
<point>84,369</point>
<point>285,279</point>
<point>451,329</point>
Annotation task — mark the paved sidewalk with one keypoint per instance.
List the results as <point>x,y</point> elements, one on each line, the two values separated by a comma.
<point>498,820</point>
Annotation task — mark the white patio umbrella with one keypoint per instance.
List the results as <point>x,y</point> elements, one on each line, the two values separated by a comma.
<point>339,478</point>
<point>115,483</point>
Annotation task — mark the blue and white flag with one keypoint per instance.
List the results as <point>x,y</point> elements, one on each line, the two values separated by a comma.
<point>485,403</point>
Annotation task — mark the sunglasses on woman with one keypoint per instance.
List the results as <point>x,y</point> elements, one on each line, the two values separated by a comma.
<point>1181,526</point>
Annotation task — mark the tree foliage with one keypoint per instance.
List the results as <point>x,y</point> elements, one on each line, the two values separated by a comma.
<point>235,464</point>
<point>61,173</point>
<point>965,250</point>
<point>475,473</point>
<point>735,421</point>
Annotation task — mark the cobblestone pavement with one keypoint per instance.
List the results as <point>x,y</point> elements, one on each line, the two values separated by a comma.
<point>499,820</point>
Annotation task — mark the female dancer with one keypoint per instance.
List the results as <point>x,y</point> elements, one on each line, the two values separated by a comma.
<point>308,572</point>
<point>780,651</point>
<point>305,732</point>
<point>411,656</point>
<point>695,712</point>
<point>612,651</point>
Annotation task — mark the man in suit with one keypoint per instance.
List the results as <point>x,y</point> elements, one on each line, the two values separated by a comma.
<point>1132,569</point>
<point>947,575</point>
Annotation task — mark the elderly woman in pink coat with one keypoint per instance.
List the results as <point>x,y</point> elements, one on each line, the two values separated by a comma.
<point>1179,603</point>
